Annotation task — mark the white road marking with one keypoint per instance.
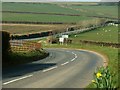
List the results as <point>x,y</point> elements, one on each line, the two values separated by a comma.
<point>17,79</point>
<point>50,69</point>
<point>65,63</point>
<point>74,57</point>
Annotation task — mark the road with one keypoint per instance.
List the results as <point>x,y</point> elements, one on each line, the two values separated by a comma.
<point>63,68</point>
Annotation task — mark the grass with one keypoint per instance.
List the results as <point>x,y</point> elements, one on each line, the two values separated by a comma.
<point>104,34</point>
<point>42,18</point>
<point>109,11</point>
<point>63,8</point>
<point>84,10</point>
<point>40,7</point>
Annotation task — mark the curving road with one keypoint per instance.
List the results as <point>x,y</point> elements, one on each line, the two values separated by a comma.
<point>63,68</point>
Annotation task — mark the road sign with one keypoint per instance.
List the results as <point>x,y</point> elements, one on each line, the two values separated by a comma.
<point>61,39</point>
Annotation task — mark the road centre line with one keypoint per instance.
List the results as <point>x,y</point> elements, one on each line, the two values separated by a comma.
<point>73,53</point>
<point>73,59</point>
<point>50,69</point>
<point>65,63</point>
<point>17,79</point>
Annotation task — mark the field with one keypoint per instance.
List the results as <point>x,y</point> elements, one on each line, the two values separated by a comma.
<point>51,12</point>
<point>28,28</point>
<point>96,10</point>
<point>104,34</point>
<point>52,8</point>
<point>42,18</point>
<point>40,7</point>
<point>63,8</point>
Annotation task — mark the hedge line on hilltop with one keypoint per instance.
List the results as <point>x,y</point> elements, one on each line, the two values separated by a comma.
<point>33,35</point>
<point>29,22</point>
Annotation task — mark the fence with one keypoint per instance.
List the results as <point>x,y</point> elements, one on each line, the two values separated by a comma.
<point>23,46</point>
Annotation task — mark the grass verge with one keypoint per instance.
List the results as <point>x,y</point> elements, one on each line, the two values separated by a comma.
<point>18,58</point>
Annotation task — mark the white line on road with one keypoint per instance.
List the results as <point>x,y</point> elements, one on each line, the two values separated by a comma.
<point>73,53</point>
<point>50,69</point>
<point>65,63</point>
<point>73,59</point>
<point>75,56</point>
<point>17,79</point>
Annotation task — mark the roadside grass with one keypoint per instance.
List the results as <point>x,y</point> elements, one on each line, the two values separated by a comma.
<point>103,34</point>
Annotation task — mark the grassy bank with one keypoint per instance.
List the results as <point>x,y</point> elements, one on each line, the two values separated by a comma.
<point>18,58</point>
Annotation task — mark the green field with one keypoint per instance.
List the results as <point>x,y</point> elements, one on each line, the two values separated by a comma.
<point>42,18</point>
<point>62,8</point>
<point>104,34</point>
<point>40,7</point>
<point>84,10</point>
<point>109,11</point>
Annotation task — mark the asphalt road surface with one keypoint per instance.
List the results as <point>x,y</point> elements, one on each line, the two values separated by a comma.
<point>63,68</point>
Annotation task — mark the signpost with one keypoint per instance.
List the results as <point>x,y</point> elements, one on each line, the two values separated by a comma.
<point>61,40</point>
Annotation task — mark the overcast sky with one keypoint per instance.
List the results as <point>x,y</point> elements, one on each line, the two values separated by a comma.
<point>58,0</point>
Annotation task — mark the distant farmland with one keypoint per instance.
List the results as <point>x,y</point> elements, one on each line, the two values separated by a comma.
<point>104,34</point>
<point>65,13</point>
<point>56,12</point>
<point>40,7</point>
<point>110,11</point>
<point>42,18</point>
<point>32,28</point>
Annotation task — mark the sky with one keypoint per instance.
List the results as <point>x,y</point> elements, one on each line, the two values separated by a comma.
<point>59,0</point>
